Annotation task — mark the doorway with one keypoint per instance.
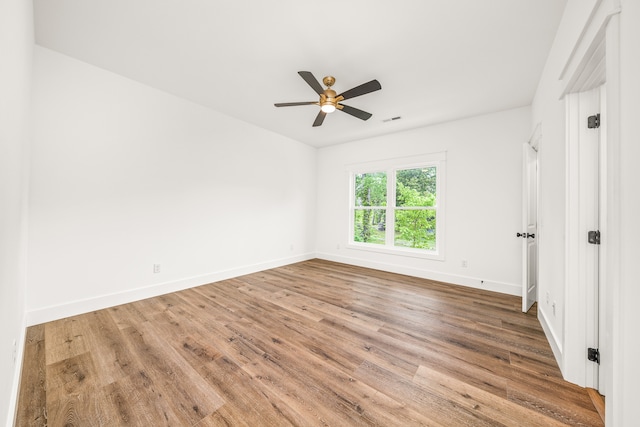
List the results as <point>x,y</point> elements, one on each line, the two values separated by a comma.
<point>530,221</point>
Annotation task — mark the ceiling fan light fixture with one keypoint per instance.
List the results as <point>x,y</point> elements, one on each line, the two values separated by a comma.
<point>328,101</point>
<point>328,107</point>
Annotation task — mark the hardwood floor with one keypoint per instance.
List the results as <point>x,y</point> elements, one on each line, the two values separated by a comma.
<point>313,343</point>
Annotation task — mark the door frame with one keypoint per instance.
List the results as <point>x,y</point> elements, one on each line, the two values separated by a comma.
<point>588,53</point>
<point>595,60</point>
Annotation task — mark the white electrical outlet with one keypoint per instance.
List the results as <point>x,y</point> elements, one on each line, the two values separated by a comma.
<point>553,306</point>
<point>14,351</point>
<point>547,298</point>
<point>464,263</point>
<point>156,268</point>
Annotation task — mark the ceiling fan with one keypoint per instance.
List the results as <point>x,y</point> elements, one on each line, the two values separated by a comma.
<point>329,101</point>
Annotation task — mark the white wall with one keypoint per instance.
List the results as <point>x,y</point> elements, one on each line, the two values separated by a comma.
<point>626,340</point>
<point>125,176</point>
<point>483,199</point>
<point>549,112</point>
<point>16,47</point>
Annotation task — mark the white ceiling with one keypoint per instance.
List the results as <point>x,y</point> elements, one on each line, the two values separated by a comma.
<point>437,60</point>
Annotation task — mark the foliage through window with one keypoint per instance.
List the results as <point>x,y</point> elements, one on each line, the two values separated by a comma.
<point>398,207</point>
<point>370,212</point>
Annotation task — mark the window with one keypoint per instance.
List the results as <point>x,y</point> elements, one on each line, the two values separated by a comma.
<point>397,206</point>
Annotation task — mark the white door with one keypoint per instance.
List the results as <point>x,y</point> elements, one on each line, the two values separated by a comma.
<point>529,227</point>
<point>589,194</point>
<point>582,310</point>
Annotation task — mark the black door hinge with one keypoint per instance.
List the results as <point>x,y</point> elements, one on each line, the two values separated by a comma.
<point>593,354</point>
<point>594,237</point>
<point>593,122</point>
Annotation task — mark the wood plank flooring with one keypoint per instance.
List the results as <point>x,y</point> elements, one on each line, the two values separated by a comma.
<point>310,344</point>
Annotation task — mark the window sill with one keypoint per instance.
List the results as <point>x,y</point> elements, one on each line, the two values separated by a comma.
<point>405,252</point>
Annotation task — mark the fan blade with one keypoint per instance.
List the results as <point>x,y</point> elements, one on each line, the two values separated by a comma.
<point>319,118</point>
<point>311,81</point>
<point>355,112</point>
<point>293,104</point>
<point>363,89</point>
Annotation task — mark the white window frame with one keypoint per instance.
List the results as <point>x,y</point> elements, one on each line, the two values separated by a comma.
<point>390,166</point>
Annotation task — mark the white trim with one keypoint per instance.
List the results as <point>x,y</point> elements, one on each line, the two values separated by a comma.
<point>17,374</point>
<point>47,314</point>
<point>454,279</point>
<point>612,363</point>
<point>588,68</point>
<point>571,270</point>
<point>603,338</point>
<point>581,37</point>
<point>594,28</point>
<point>390,167</point>
<point>552,337</point>
<point>396,250</point>
<point>591,71</point>
<point>395,162</point>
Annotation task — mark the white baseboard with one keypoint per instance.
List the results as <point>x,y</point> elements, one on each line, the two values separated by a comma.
<point>556,345</point>
<point>472,282</point>
<point>17,374</point>
<point>73,308</point>
<point>47,314</point>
